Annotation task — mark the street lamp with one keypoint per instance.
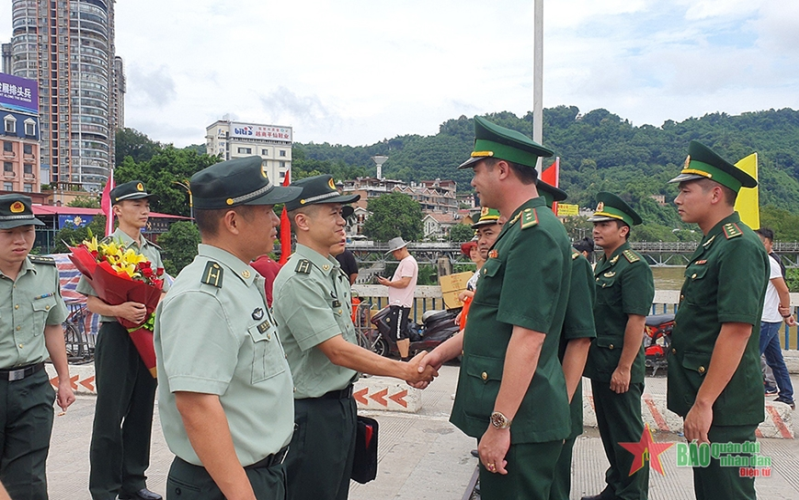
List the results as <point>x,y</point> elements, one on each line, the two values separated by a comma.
<point>185,185</point>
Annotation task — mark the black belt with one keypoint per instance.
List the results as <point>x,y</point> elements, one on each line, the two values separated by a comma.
<point>271,460</point>
<point>344,393</point>
<point>14,374</point>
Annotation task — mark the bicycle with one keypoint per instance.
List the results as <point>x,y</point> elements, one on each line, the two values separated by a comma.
<point>369,337</point>
<point>79,344</point>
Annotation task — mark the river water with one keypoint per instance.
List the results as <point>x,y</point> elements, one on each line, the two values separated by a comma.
<point>668,278</point>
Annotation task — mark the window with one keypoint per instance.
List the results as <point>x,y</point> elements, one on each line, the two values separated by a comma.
<point>8,166</point>
<point>8,147</point>
<point>28,188</point>
<point>10,124</point>
<point>30,127</point>
<point>264,152</point>
<point>28,168</point>
<point>246,151</point>
<point>282,164</point>
<point>27,149</point>
<point>283,152</point>
<point>8,186</point>
<point>282,175</point>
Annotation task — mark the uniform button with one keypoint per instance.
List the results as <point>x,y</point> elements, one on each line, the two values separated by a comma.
<point>21,346</point>
<point>295,389</point>
<point>485,376</point>
<point>701,369</point>
<point>16,306</point>
<point>610,347</point>
<point>46,308</point>
<point>177,491</point>
<point>674,351</point>
<point>268,336</point>
<point>682,297</point>
<point>19,328</point>
<point>693,275</point>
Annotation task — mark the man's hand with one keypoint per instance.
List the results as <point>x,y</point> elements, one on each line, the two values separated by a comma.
<point>790,320</point>
<point>383,281</point>
<point>432,361</point>
<point>697,423</point>
<point>493,447</point>
<point>65,396</point>
<point>418,373</point>
<point>620,380</point>
<point>132,311</point>
<point>465,294</point>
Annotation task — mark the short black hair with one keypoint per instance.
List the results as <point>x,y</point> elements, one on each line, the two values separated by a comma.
<point>729,195</point>
<point>527,175</point>
<point>766,233</point>
<point>584,245</point>
<point>620,224</point>
<point>208,220</point>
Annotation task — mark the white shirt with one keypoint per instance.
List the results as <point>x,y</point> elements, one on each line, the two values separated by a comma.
<point>772,301</point>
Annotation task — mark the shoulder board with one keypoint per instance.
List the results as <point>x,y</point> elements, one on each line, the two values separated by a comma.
<point>513,220</point>
<point>630,256</point>
<point>303,266</point>
<point>575,254</point>
<point>731,230</point>
<point>529,218</point>
<point>38,259</point>
<point>213,274</point>
<point>153,244</point>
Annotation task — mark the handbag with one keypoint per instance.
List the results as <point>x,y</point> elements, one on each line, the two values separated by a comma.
<point>364,466</point>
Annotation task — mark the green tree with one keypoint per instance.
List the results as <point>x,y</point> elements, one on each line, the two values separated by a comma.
<point>85,202</point>
<point>461,233</point>
<point>395,214</point>
<point>131,142</point>
<point>71,235</point>
<point>179,246</point>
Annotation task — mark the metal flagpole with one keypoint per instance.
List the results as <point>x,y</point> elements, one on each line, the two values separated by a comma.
<point>538,74</point>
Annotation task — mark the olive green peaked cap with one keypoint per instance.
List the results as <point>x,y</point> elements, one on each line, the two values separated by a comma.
<point>703,163</point>
<point>16,210</point>
<point>488,216</point>
<point>550,193</point>
<point>133,190</point>
<point>611,207</point>
<point>240,181</point>
<point>493,141</point>
<point>318,189</point>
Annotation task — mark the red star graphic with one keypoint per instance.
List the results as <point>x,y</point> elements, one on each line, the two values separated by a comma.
<point>646,449</point>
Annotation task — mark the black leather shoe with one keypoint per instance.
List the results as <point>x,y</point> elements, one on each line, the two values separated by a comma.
<point>142,494</point>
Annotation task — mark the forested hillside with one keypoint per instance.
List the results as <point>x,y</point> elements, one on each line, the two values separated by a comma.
<point>599,151</point>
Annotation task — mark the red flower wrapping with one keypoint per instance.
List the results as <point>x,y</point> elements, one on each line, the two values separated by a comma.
<point>116,289</point>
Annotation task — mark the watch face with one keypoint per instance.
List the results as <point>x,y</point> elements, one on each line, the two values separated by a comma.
<point>499,420</point>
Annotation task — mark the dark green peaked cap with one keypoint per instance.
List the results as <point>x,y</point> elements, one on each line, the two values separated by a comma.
<point>493,141</point>
<point>550,193</point>
<point>488,216</point>
<point>133,190</point>
<point>611,207</point>
<point>318,189</point>
<point>703,163</point>
<point>240,181</point>
<point>16,210</point>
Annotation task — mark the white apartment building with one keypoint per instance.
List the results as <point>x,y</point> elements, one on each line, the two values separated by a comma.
<point>228,140</point>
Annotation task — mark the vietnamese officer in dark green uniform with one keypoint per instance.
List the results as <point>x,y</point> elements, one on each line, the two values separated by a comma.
<point>511,390</point>
<point>31,313</point>
<point>575,340</point>
<point>714,365</point>
<point>312,306</point>
<point>225,391</point>
<point>123,416</point>
<point>624,293</point>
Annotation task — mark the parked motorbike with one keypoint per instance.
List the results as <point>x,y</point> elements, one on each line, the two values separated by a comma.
<point>436,327</point>
<point>657,340</point>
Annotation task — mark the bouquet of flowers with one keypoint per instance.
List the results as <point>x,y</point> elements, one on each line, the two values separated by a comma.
<point>118,275</point>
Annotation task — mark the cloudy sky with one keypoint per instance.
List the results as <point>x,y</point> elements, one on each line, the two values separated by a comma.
<point>358,71</point>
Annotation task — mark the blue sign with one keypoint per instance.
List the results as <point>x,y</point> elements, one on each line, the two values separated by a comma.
<point>74,220</point>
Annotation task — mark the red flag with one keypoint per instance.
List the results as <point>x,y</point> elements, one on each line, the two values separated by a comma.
<point>105,204</point>
<point>285,228</point>
<point>551,176</point>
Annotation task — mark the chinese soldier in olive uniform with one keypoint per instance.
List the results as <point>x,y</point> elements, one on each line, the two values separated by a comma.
<point>31,313</point>
<point>511,392</point>
<point>123,416</point>
<point>313,309</point>
<point>624,293</point>
<point>715,382</point>
<point>575,340</point>
<point>225,391</point>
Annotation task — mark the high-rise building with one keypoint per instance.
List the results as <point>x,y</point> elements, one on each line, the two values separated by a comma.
<point>119,93</point>
<point>272,143</point>
<point>68,47</point>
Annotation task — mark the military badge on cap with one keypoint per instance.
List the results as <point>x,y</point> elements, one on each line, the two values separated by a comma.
<point>493,141</point>
<point>611,207</point>
<point>319,189</point>
<point>133,190</point>
<point>17,210</point>
<point>488,216</point>
<point>703,163</point>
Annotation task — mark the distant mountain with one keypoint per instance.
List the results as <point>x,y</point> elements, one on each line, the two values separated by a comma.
<point>598,150</point>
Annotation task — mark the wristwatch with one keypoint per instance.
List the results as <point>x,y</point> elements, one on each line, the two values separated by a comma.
<point>499,420</point>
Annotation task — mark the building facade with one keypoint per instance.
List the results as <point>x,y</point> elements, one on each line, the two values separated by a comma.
<point>120,87</point>
<point>20,135</point>
<point>68,47</point>
<point>227,140</point>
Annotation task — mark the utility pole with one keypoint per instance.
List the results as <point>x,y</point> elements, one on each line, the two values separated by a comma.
<point>538,74</point>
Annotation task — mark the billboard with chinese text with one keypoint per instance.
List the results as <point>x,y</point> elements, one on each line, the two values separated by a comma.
<point>264,132</point>
<point>19,94</point>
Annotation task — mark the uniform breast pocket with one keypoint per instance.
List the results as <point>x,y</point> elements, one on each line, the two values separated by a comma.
<point>268,359</point>
<point>698,284</point>
<point>607,291</point>
<point>489,285</point>
<point>41,310</point>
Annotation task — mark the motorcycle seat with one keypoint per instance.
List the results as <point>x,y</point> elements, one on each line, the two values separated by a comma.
<point>658,319</point>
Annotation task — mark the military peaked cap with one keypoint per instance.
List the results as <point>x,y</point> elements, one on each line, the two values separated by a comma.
<point>318,189</point>
<point>550,193</point>
<point>611,207</point>
<point>133,190</point>
<point>493,141</point>
<point>16,210</point>
<point>703,163</point>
